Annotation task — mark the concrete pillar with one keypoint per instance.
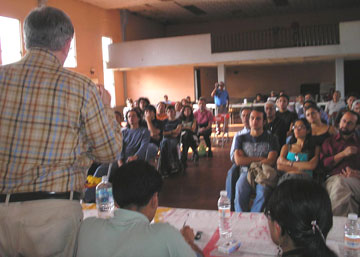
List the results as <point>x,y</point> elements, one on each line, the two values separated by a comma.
<point>339,76</point>
<point>221,73</point>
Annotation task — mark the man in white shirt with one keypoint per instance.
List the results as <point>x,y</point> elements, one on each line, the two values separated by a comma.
<point>334,106</point>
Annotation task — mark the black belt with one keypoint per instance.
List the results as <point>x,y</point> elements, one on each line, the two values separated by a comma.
<point>32,196</point>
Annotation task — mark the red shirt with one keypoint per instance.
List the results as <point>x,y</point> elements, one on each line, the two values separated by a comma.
<point>203,116</point>
<point>332,146</point>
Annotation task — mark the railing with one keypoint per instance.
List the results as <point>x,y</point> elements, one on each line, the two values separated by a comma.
<point>276,37</point>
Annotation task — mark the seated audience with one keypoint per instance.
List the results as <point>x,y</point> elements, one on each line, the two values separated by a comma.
<point>234,172</point>
<point>170,162</point>
<point>274,124</point>
<point>178,108</point>
<point>356,106</point>
<point>161,111</point>
<point>166,100</point>
<point>188,134</point>
<point>283,113</point>
<point>300,157</point>
<point>256,146</point>
<point>300,218</point>
<point>299,103</point>
<point>155,128</point>
<point>340,155</point>
<point>323,116</point>
<point>258,98</point>
<point>272,96</point>
<point>135,139</point>
<point>319,130</point>
<point>128,107</point>
<point>334,106</point>
<point>204,119</point>
<point>129,233</point>
<point>349,101</point>
<point>119,117</point>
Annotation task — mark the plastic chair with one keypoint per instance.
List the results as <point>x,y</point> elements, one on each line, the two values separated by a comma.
<point>224,119</point>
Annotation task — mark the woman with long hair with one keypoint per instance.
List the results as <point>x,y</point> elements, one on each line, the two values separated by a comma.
<point>300,157</point>
<point>188,134</point>
<point>300,218</point>
<point>319,130</point>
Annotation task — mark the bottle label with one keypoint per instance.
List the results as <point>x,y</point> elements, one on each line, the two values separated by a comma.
<point>104,195</point>
<point>352,242</point>
<point>224,213</point>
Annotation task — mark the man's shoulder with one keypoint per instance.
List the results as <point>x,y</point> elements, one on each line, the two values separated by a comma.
<point>74,76</point>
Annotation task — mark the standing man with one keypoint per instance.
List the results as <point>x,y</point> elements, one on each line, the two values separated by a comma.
<point>234,172</point>
<point>283,113</point>
<point>53,123</point>
<point>204,119</point>
<point>256,146</point>
<point>340,155</point>
<point>221,99</point>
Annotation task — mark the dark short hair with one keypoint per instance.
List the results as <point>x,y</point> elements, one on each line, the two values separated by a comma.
<point>170,107</point>
<point>134,183</point>
<point>286,96</point>
<point>202,99</point>
<point>355,114</point>
<point>261,110</point>
<point>295,204</point>
<point>47,27</point>
<point>151,108</point>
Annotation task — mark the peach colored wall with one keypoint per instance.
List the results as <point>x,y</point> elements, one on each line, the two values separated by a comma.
<point>90,22</point>
<point>154,83</point>
<point>260,23</point>
<point>247,81</point>
<point>141,28</point>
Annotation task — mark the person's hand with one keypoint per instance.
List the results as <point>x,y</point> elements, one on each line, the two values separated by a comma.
<point>147,115</point>
<point>120,163</point>
<point>349,172</point>
<point>350,150</point>
<point>216,85</point>
<point>104,94</point>
<point>188,234</point>
<point>132,158</point>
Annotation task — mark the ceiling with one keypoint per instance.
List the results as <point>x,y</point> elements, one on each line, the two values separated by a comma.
<point>185,11</point>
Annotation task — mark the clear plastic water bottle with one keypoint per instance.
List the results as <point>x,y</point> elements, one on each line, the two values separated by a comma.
<point>224,216</point>
<point>104,198</point>
<point>352,235</point>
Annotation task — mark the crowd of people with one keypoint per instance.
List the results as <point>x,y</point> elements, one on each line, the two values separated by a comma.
<point>55,122</point>
<point>283,145</point>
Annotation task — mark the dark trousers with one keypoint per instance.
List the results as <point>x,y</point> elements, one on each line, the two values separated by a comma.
<point>206,134</point>
<point>187,140</point>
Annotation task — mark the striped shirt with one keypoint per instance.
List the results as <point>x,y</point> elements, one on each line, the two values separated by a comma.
<point>52,125</point>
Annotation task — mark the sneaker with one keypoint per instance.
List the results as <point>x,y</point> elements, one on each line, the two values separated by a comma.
<point>210,154</point>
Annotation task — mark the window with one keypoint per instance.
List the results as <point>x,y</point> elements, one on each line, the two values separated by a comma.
<point>109,82</point>
<point>10,41</point>
<point>70,61</point>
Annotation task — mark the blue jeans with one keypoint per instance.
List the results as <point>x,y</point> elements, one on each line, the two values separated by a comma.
<point>243,193</point>
<point>231,179</point>
<point>151,152</point>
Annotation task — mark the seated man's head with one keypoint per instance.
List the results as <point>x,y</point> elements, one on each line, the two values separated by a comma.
<point>202,103</point>
<point>282,103</point>
<point>178,106</point>
<point>348,123</point>
<point>151,111</point>
<point>170,112</point>
<point>160,108</point>
<point>136,186</point>
<point>336,96</point>
<point>166,98</point>
<point>350,99</point>
<point>356,106</point>
<point>270,110</point>
<point>309,97</point>
<point>245,116</point>
<point>257,117</point>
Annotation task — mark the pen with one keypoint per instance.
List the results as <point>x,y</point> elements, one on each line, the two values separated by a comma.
<point>186,219</point>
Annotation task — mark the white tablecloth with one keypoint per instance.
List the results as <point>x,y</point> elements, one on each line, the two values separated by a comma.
<point>251,229</point>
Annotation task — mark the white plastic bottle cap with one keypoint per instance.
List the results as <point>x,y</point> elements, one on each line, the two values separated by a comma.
<point>352,216</point>
<point>223,193</point>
